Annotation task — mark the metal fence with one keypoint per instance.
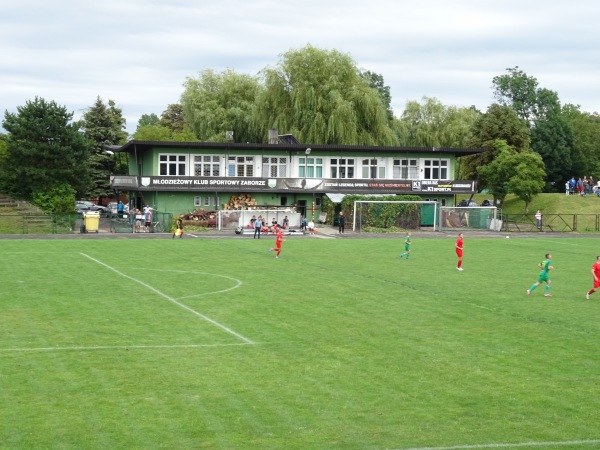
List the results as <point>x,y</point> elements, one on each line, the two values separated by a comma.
<point>73,223</point>
<point>561,223</point>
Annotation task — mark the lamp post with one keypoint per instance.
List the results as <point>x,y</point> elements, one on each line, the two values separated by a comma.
<point>306,153</point>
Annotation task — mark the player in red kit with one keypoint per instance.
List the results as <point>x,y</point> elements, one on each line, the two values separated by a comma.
<point>596,274</point>
<point>278,241</point>
<point>459,251</point>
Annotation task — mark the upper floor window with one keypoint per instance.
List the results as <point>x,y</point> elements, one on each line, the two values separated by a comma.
<point>172,165</point>
<point>310,167</point>
<point>342,167</point>
<point>406,169</point>
<point>435,169</point>
<point>240,166</point>
<point>274,166</point>
<point>372,169</point>
<point>207,166</point>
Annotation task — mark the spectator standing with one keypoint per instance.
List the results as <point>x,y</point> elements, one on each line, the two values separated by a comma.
<point>120,209</point>
<point>572,184</point>
<point>591,184</point>
<point>148,220</point>
<point>579,186</point>
<point>538,219</point>
<point>567,188</point>
<point>586,185</point>
<point>257,227</point>
<point>341,222</point>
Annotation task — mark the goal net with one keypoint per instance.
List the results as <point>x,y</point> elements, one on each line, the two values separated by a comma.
<point>230,219</point>
<point>410,215</point>
<point>469,218</point>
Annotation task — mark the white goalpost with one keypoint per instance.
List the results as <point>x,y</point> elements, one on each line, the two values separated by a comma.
<point>421,213</point>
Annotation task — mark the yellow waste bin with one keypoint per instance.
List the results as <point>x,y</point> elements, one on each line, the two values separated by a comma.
<point>91,221</point>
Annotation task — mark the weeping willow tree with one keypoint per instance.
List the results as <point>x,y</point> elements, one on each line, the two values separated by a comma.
<point>321,98</point>
<point>432,124</point>
<point>214,103</point>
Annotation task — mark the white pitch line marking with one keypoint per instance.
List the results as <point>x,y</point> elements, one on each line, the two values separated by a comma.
<point>237,282</point>
<point>506,445</point>
<point>172,300</point>
<point>113,347</point>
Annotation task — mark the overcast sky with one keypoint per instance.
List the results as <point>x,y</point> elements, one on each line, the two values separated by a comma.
<point>140,52</point>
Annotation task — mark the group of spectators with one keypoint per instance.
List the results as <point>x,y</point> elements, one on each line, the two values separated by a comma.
<point>582,186</point>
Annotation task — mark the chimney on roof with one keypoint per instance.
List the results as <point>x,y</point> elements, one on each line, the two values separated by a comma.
<point>273,136</point>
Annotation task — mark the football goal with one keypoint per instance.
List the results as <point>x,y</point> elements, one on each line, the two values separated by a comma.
<point>469,217</point>
<point>409,215</point>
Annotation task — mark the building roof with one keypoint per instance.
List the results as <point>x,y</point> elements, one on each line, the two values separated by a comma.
<point>143,146</point>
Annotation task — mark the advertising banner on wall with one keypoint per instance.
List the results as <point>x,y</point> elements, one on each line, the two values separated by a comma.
<point>238,184</point>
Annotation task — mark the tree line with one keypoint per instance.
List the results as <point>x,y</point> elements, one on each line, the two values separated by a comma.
<point>531,143</point>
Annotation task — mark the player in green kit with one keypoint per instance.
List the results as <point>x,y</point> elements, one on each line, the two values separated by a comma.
<point>406,246</point>
<point>544,277</point>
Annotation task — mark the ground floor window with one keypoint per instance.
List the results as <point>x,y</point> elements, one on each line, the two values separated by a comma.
<point>206,201</point>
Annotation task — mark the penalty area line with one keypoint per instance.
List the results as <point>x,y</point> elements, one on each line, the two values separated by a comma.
<point>507,445</point>
<point>171,299</point>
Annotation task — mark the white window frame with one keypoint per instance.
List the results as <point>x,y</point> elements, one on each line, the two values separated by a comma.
<point>240,166</point>
<point>405,168</point>
<point>206,200</point>
<point>342,168</point>
<point>373,168</point>
<point>172,165</point>
<point>207,165</point>
<point>436,169</point>
<point>274,166</point>
<point>310,167</point>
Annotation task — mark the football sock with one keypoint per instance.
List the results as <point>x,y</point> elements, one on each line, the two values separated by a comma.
<point>532,288</point>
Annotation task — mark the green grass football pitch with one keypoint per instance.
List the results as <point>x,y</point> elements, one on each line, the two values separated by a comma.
<point>215,344</point>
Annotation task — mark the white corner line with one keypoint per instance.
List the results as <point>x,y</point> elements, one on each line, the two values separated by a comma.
<point>172,300</point>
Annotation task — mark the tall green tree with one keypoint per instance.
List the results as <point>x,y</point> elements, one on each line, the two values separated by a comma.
<point>148,119</point>
<point>45,150</point>
<point>551,135</point>
<point>320,97</point>
<point>173,117</point>
<point>162,133</point>
<point>521,173</point>
<point>432,124</point>
<point>377,82</point>
<point>528,176</point>
<point>497,123</point>
<point>104,125</point>
<point>585,152</point>
<point>552,138</point>
<point>214,103</point>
